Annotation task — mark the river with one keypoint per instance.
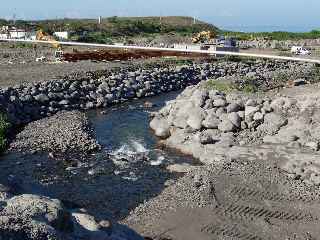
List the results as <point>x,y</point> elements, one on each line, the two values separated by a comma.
<point>129,170</point>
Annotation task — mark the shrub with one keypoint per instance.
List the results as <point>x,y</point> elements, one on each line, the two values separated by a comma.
<point>221,86</point>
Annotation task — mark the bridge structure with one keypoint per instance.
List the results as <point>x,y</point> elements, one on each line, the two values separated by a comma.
<point>169,50</point>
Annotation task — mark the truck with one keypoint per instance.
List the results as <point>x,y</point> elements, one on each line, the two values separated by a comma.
<point>299,50</point>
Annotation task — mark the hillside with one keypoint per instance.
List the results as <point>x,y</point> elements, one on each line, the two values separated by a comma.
<point>120,27</point>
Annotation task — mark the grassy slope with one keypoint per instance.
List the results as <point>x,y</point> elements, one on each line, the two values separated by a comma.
<point>121,27</point>
<point>117,26</point>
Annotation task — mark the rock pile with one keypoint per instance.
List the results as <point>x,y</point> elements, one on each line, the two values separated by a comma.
<point>200,121</point>
<point>28,217</point>
<point>63,132</point>
<point>210,125</point>
<point>276,44</point>
<point>25,103</point>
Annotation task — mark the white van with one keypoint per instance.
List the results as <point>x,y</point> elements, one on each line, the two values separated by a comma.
<point>298,50</point>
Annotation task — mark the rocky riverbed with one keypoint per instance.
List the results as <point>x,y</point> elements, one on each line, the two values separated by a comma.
<point>207,124</point>
<point>55,154</point>
<point>29,102</point>
<point>261,174</point>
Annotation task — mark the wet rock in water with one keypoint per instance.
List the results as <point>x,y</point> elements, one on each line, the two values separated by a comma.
<point>89,105</point>
<point>5,193</point>
<point>148,104</point>
<point>87,226</point>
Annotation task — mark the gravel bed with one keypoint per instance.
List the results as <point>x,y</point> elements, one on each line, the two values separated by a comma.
<point>63,132</point>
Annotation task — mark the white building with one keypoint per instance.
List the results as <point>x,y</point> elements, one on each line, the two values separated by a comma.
<point>62,35</point>
<point>17,33</point>
<point>4,36</point>
<point>7,32</point>
<point>187,46</point>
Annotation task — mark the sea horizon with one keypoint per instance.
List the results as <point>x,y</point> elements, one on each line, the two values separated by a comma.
<point>265,28</point>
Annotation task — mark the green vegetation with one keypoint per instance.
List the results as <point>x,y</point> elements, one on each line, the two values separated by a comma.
<point>123,27</point>
<point>22,45</point>
<point>88,30</point>
<point>248,85</point>
<point>4,125</point>
<point>274,35</point>
<point>3,22</point>
<point>221,86</point>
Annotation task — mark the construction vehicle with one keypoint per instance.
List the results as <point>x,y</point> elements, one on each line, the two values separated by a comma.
<point>299,50</point>
<point>204,36</point>
<point>43,36</point>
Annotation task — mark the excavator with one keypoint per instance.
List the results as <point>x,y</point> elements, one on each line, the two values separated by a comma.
<point>43,36</point>
<point>203,37</point>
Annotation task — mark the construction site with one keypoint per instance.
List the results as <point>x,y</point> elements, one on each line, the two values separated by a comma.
<point>179,137</point>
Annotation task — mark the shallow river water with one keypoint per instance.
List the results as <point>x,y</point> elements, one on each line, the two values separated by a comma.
<point>129,170</point>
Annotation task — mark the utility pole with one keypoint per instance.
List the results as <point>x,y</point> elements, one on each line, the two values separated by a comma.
<point>14,18</point>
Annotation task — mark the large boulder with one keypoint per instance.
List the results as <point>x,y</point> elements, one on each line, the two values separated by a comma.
<point>43,209</point>
<point>235,119</point>
<point>227,126</point>
<point>34,217</point>
<point>160,126</point>
<point>233,107</point>
<point>196,116</point>
<point>219,102</point>
<point>199,97</point>
<point>42,98</point>
<point>250,111</point>
<point>276,120</point>
<point>211,121</point>
<point>86,227</point>
<point>5,192</point>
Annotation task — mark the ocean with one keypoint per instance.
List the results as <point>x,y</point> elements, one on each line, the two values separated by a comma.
<point>240,28</point>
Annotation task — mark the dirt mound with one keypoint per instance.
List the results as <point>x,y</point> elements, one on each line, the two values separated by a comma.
<point>246,198</point>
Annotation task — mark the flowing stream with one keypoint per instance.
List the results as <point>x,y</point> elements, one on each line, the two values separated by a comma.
<point>130,169</point>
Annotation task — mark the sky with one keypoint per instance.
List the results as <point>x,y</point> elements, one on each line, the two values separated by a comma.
<point>230,14</point>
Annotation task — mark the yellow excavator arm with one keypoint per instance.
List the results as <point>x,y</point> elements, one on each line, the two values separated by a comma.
<point>203,36</point>
<point>42,36</point>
